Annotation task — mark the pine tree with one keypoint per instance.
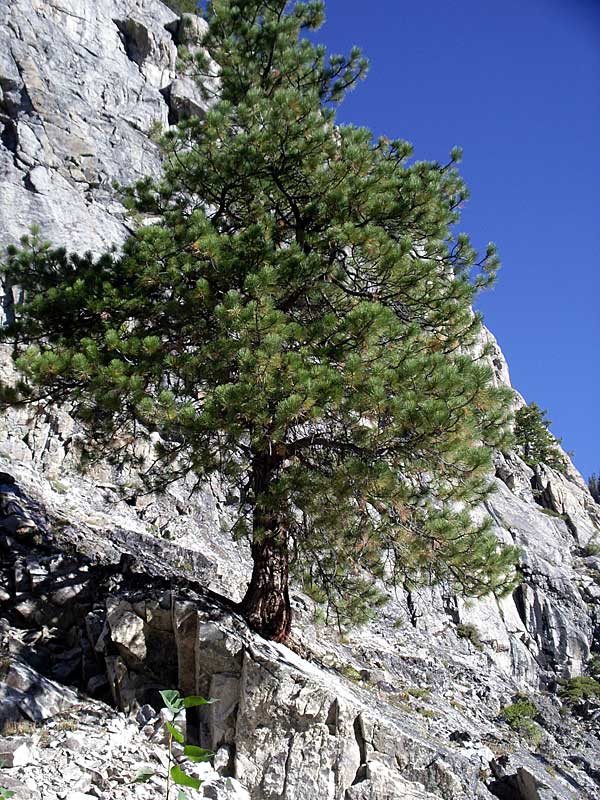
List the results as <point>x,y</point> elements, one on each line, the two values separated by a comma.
<point>182,6</point>
<point>299,322</point>
<point>594,487</point>
<point>534,441</point>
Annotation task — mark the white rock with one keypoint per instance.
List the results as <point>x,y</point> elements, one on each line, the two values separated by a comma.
<point>127,630</point>
<point>16,751</point>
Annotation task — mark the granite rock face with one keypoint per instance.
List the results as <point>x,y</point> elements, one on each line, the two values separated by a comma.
<point>390,711</point>
<point>82,85</point>
<point>121,593</point>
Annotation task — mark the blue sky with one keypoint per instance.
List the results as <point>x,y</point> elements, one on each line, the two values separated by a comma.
<point>517,85</point>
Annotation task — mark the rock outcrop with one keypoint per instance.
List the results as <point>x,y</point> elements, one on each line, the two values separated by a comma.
<point>121,593</point>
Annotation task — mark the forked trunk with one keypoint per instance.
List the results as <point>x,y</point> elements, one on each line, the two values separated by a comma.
<point>266,606</point>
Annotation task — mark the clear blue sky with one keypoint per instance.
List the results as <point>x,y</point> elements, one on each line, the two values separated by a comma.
<point>517,85</point>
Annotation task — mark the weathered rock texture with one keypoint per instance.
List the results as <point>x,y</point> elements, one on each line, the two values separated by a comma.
<point>82,84</point>
<point>120,594</point>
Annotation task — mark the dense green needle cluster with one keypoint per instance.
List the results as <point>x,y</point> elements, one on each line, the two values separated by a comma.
<point>182,6</point>
<point>594,486</point>
<point>298,320</point>
<point>533,439</point>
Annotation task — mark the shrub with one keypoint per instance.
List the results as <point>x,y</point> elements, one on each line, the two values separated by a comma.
<point>591,549</point>
<point>350,673</point>
<point>516,713</point>
<point>550,512</point>
<point>418,692</point>
<point>580,689</point>
<point>520,716</point>
<point>182,6</point>
<point>470,633</point>
<point>594,666</point>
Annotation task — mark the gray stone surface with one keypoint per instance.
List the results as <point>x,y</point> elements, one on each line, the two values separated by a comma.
<point>112,595</point>
<point>76,108</point>
<point>383,712</point>
<point>16,751</point>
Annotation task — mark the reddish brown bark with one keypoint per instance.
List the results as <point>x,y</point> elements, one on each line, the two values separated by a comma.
<point>266,606</point>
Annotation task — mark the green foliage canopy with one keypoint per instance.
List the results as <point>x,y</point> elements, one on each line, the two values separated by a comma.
<point>580,688</point>
<point>519,711</point>
<point>298,321</point>
<point>534,441</point>
<point>182,6</point>
<point>594,487</point>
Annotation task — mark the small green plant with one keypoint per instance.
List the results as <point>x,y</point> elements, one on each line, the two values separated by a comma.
<point>156,130</point>
<point>469,632</point>
<point>66,725</point>
<point>517,712</point>
<point>17,727</point>
<point>175,703</point>
<point>580,689</point>
<point>5,663</point>
<point>183,6</point>
<point>418,692</point>
<point>350,672</point>
<point>5,794</point>
<point>591,549</point>
<point>594,487</point>
<point>594,666</point>
<point>520,716</point>
<point>549,512</point>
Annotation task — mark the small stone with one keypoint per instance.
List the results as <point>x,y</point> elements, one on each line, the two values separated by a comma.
<point>80,796</point>
<point>127,631</point>
<point>16,751</point>
<point>27,609</point>
<point>97,682</point>
<point>67,594</point>
<point>460,736</point>
<point>20,790</point>
<point>145,714</point>
<point>148,730</point>
<point>222,759</point>
<point>225,789</point>
<point>75,742</point>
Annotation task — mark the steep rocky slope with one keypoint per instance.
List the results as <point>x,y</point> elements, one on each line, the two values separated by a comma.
<point>123,593</point>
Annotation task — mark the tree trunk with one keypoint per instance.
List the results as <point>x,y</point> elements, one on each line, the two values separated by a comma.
<point>266,606</point>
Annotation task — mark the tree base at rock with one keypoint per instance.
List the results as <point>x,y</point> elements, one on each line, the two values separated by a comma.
<point>266,605</point>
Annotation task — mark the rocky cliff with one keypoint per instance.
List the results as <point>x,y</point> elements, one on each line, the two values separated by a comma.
<point>122,593</point>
